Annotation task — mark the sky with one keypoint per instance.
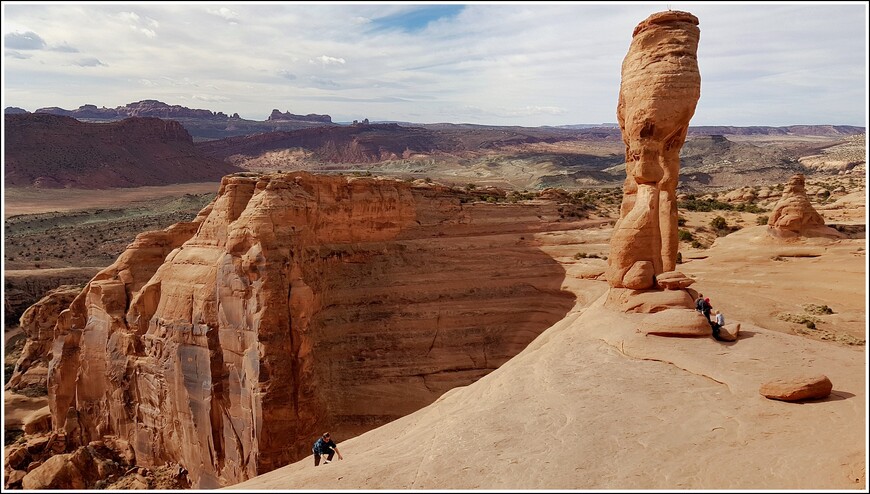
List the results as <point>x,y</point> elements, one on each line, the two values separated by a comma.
<point>510,63</point>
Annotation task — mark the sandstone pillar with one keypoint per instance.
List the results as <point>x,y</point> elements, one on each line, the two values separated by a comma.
<point>660,87</point>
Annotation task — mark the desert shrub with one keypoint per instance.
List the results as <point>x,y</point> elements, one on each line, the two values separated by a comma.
<point>811,325</point>
<point>719,223</point>
<point>799,319</point>
<point>761,220</point>
<point>698,245</point>
<point>470,186</point>
<point>685,236</point>
<point>8,369</point>
<point>817,309</point>
<point>583,255</point>
<point>748,207</point>
<point>11,436</point>
<point>708,205</point>
<point>681,221</point>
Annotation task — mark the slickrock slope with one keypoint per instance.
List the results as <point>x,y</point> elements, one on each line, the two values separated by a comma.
<point>51,151</point>
<point>595,404</point>
<point>660,88</point>
<point>794,216</point>
<point>296,304</point>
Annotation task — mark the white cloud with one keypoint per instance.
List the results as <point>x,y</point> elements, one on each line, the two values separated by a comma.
<point>24,41</point>
<point>89,62</point>
<point>64,48</point>
<point>326,60</point>
<point>15,54</point>
<point>136,23</point>
<point>227,14</point>
<point>514,63</point>
<point>210,98</point>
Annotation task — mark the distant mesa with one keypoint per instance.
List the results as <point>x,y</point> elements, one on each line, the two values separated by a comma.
<point>14,110</point>
<point>144,108</point>
<point>311,117</point>
<point>52,151</point>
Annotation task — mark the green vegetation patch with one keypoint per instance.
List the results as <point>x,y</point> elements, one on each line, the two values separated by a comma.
<point>707,205</point>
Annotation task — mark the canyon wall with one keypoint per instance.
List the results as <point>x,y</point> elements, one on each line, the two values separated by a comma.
<point>296,304</point>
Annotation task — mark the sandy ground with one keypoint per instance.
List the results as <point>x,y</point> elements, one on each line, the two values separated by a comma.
<point>595,404</point>
<point>33,201</point>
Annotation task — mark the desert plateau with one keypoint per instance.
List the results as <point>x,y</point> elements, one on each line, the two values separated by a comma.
<point>193,297</point>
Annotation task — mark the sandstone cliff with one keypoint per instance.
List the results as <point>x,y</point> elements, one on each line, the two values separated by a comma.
<point>296,304</point>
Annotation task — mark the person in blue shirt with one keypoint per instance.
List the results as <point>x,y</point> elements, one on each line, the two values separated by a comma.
<point>324,446</point>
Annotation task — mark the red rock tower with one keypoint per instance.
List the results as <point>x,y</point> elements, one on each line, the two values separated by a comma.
<point>660,87</point>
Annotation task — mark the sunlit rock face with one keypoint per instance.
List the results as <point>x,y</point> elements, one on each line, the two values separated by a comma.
<point>660,87</point>
<point>794,216</point>
<point>295,304</point>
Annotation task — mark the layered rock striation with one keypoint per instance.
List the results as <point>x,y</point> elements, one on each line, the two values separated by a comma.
<point>296,304</point>
<point>657,97</point>
<point>794,215</point>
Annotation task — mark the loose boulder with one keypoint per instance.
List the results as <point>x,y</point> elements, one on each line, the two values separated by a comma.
<point>673,280</point>
<point>797,388</point>
<point>729,332</point>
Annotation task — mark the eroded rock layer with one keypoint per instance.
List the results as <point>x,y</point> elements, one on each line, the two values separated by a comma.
<point>296,304</point>
<point>657,97</point>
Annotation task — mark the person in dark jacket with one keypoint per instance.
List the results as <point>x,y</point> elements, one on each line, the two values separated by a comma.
<point>707,309</point>
<point>325,446</point>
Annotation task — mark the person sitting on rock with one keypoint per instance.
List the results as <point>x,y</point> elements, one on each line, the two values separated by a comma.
<point>324,446</point>
<point>717,323</point>
<point>707,309</point>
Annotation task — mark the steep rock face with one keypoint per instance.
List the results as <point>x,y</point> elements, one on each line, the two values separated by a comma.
<point>38,322</point>
<point>660,88</point>
<point>794,215</point>
<point>53,151</point>
<point>300,304</point>
<point>21,288</point>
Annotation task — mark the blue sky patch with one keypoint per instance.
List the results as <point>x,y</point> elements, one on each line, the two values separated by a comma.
<point>418,18</point>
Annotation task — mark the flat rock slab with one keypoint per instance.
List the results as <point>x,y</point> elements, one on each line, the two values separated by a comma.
<point>797,388</point>
<point>673,280</point>
<point>676,322</point>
